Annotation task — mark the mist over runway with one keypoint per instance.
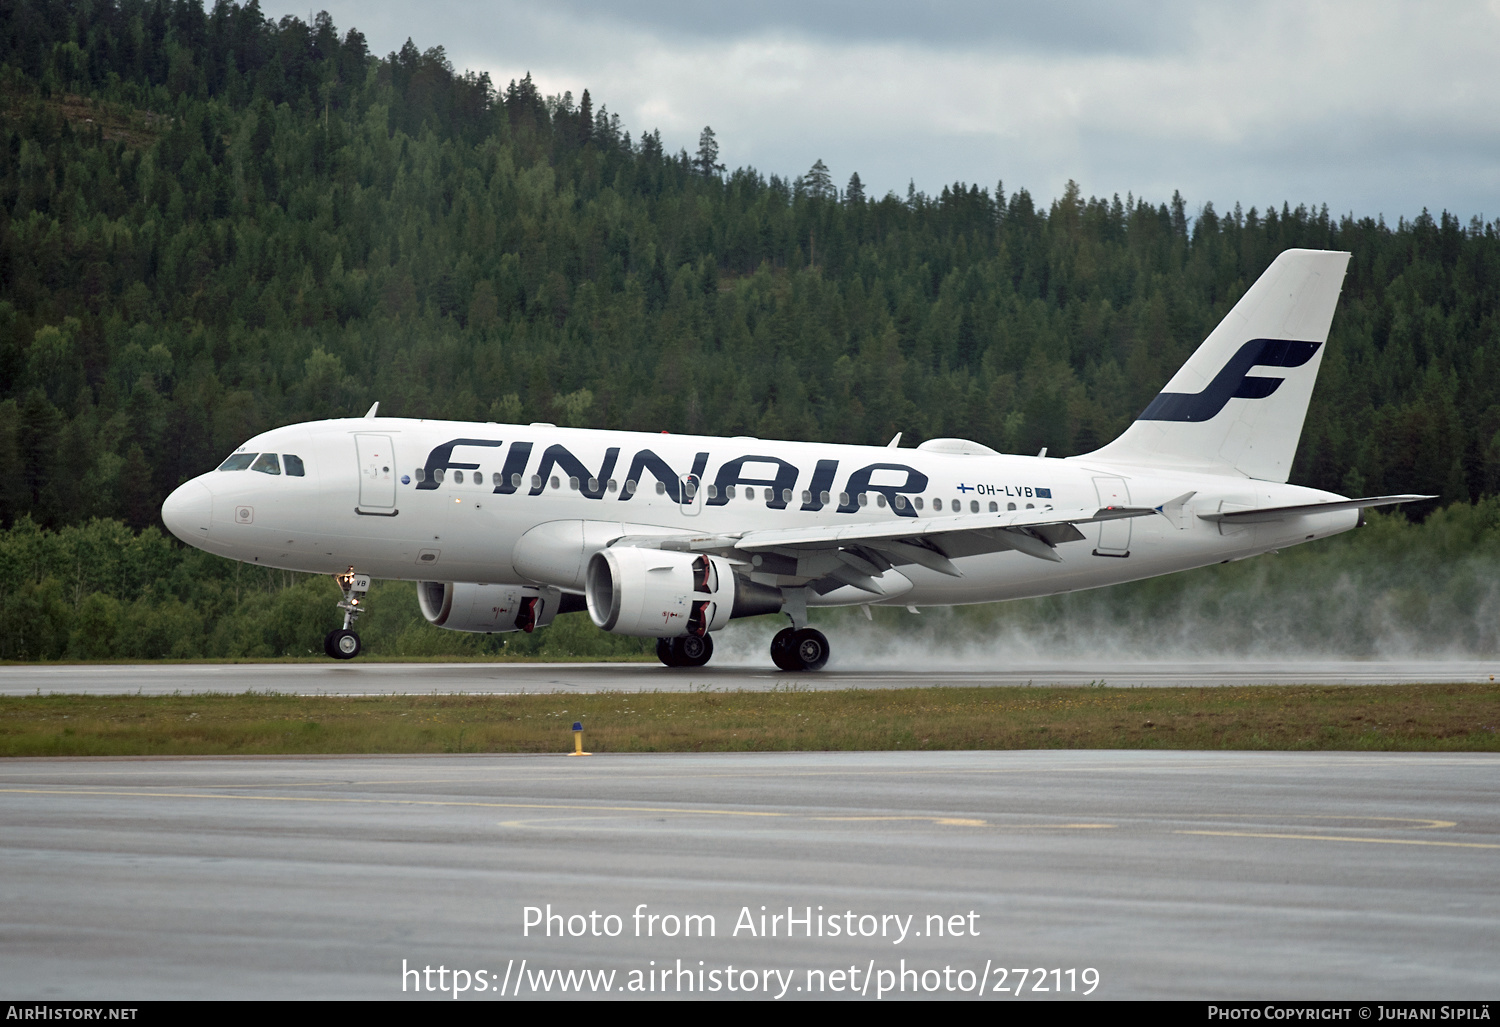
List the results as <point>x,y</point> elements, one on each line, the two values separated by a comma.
<point>361,678</point>
<point>1173,874</point>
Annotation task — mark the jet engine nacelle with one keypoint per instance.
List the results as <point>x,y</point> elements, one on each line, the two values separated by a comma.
<point>470,606</point>
<point>659,594</point>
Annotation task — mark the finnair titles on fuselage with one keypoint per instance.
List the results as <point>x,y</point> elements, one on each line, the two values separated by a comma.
<point>672,536</point>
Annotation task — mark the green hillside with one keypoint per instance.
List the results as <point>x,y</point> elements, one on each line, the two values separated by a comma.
<point>211,224</point>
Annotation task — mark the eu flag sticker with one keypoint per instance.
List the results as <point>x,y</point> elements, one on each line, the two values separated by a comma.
<point>1044,493</point>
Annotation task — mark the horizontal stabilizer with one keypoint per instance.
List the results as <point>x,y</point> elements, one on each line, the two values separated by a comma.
<point>1281,513</point>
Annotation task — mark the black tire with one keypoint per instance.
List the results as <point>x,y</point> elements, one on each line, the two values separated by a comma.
<point>328,645</point>
<point>664,652</point>
<point>782,653</point>
<point>693,650</point>
<point>810,649</point>
<point>343,644</point>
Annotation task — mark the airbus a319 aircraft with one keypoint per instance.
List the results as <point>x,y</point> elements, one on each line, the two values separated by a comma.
<point>672,536</point>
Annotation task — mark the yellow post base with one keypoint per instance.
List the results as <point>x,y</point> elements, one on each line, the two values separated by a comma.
<point>578,745</point>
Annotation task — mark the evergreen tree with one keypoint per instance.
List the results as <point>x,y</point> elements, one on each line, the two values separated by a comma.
<point>818,183</point>
<point>707,161</point>
<point>855,194</point>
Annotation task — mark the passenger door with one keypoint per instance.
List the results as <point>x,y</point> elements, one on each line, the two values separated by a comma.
<point>377,475</point>
<point>1114,536</point>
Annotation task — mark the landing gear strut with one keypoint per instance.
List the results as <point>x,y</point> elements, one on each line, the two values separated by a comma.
<point>343,644</point>
<point>795,649</point>
<point>685,650</point>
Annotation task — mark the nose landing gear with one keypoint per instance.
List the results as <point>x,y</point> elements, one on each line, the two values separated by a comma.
<point>343,643</point>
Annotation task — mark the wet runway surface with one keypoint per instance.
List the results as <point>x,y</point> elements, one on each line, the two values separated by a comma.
<point>361,678</point>
<point>1172,874</point>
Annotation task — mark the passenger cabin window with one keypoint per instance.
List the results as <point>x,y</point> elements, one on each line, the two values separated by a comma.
<point>267,463</point>
<point>293,465</point>
<point>994,507</point>
<point>238,462</point>
<point>973,506</point>
<point>419,474</point>
<point>458,477</point>
<point>937,504</point>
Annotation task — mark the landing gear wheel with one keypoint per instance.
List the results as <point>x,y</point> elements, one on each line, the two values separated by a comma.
<point>782,652</point>
<point>692,650</point>
<point>342,644</point>
<point>664,652</point>
<point>810,648</point>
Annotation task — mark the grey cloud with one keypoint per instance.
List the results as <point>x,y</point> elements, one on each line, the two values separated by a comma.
<point>1004,26</point>
<point>1066,26</point>
<point>1376,108</point>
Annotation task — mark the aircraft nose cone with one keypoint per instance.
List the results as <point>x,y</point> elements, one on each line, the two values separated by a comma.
<point>188,511</point>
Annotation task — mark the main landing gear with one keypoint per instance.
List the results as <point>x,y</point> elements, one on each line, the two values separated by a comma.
<point>795,649</point>
<point>685,651</point>
<point>343,644</point>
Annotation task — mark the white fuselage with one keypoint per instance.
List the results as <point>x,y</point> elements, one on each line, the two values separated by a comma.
<point>370,498</point>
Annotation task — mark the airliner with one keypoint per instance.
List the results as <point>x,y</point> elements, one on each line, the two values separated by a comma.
<point>667,536</point>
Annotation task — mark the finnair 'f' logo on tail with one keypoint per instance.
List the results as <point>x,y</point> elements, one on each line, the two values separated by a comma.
<point>1233,382</point>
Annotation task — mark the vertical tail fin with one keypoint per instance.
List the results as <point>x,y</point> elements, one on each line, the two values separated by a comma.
<point>1237,405</point>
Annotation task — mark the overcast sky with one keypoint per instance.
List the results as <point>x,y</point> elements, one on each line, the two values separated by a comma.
<point>1369,106</point>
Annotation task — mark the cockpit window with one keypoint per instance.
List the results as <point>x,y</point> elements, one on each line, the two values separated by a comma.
<point>293,465</point>
<point>266,463</point>
<point>238,462</point>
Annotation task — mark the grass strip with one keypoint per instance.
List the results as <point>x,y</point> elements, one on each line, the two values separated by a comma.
<point>1411,718</point>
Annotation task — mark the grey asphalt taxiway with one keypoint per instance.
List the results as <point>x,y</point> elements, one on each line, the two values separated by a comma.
<point>1358,876</point>
<point>370,678</point>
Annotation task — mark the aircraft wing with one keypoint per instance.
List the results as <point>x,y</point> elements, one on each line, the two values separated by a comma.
<point>1281,513</point>
<point>854,554</point>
